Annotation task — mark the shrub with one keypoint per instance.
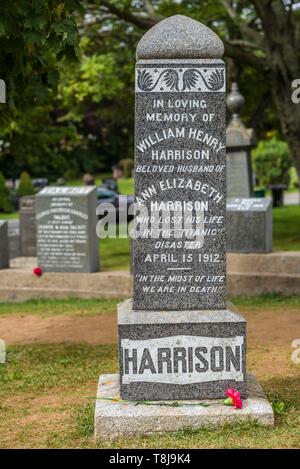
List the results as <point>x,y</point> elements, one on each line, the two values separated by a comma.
<point>5,200</point>
<point>25,186</point>
<point>272,162</point>
<point>127,166</point>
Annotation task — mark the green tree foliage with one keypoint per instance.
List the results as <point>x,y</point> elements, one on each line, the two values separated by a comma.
<point>5,200</point>
<point>37,142</point>
<point>127,165</point>
<point>25,186</point>
<point>34,37</point>
<point>272,162</point>
<point>78,107</point>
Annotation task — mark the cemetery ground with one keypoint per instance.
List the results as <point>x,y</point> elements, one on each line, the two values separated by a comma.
<point>56,350</point>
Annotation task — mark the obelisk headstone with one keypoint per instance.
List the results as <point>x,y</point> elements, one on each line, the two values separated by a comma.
<point>239,141</point>
<point>177,339</point>
<point>180,171</point>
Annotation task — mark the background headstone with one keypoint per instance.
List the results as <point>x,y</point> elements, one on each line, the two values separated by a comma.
<point>4,252</point>
<point>28,226</point>
<point>239,141</point>
<point>66,229</point>
<point>249,225</point>
<point>14,240</point>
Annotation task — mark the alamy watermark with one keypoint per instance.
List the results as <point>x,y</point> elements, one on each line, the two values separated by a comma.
<point>296,353</point>
<point>2,351</point>
<point>2,92</point>
<point>160,221</point>
<point>296,91</point>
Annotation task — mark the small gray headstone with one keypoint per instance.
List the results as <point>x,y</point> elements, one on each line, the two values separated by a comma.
<point>4,252</point>
<point>28,226</point>
<point>249,225</point>
<point>66,229</point>
<point>239,141</point>
<point>14,238</point>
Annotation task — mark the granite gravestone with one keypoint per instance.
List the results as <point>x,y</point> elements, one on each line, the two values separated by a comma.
<point>66,229</point>
<point>27,226</point>
<point>177,339</point>
<point>249,225</point>
<point>14,240</point>
<point>239,141</point>
<point>4,251</point>
<point>180,170</point>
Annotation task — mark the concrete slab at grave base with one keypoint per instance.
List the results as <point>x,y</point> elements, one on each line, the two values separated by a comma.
<point>253,274</point>
<point>247,274</point>
<point>115,419</point>
<point>20,284</point>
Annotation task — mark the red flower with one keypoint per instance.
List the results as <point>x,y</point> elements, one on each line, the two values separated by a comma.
<point>230,392</point>
<point>238,403</point>
<point>234,398</point>
<point>38,271</point>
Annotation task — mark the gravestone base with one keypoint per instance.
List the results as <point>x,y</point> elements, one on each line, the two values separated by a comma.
<point>173,355</point>
<point>114,419</point>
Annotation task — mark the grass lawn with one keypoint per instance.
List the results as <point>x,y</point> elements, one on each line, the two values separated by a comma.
<point>125,186</point>
<point>82,307</point>
<point>286,228</point>
<point>47,400</point>
<point>9,216</point>
<point>47,391</point>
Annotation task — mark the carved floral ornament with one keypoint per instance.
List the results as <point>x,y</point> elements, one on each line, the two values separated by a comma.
<point>181,79</point>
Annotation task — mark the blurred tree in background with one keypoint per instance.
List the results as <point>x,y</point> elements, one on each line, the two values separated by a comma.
<point>25,185</point>
<point>272,162</point>
<point>69,70</point>
<point>5,201</point>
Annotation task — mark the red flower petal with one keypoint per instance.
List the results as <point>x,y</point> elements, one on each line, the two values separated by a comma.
<point>238,404</point>
<point>37,271</point>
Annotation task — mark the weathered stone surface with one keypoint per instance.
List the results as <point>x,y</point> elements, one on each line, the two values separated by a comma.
<point>27,226</point>
<point>180,354</point>
<point>180,175</point>
<point>249,225</point>
<point>179,37</point>
<point>4,251</point>
<point>14,238</point>
<point>66,229</point>
<point>239,141</point>
<point>115,419</point>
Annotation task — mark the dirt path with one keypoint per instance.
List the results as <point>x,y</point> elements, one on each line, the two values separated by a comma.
<point>56,329</point>
<point>265,327</point>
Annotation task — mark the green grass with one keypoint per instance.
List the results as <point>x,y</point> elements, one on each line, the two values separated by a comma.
<point>286,228</point>
<point>47,400</point>
<point>55,307</point>
<point>114,253</point>
<point>39,367</point>
<point>266,301</point>
<point>9,216</point>
<point>93,307</point>
<point>126,186</point>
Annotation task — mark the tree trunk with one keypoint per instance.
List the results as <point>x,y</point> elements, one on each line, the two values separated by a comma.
<point>284,65</point>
